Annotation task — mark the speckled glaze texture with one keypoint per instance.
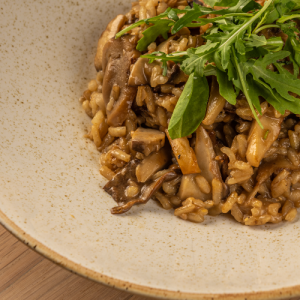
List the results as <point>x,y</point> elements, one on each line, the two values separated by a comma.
<point>50,187</point>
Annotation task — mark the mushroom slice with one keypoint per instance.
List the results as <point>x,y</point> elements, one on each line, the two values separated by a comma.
<point>152,163</point>
<point>266,169</point>
<point>147,191</point>
<point>117,185</point>
<point>113,27</point>
<point>147,140</point>
<point>260,140</point>
<point>184,154</point>
<point>215,103</point>
<point>118,55</point>
<point>164,46</point>
<point>205,154</point>
<point>141,72</point>
<point>189,188</point>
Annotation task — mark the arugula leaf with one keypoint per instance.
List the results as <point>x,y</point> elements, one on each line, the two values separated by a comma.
<point>274,44</point>
<point>190,16</point>
<point>213,3</point>
<point>191,107</point>
<point>197,58</point>
<point>255,41</point>
<point>283,82</point>
<point>288,17</point>
<point>226,87</point>
<point>234,6</point>
<point>160,27</point>
<point>278,9</point>
<point>242,73</point>
<point>164,58</point>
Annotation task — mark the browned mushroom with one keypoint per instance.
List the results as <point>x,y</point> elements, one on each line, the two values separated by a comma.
<point>141,72</point>
<point>113,27</point>
<point>118,55</point>
<point>184,154</point>
<point>147,192</point>
<point>152,163</point>
<point>266,169</point>
<point>189,188</point>
<point>260,140</point>
<point>117,187</point>
<point>215,104</point>
<point>146,140</point>
<point>206,155</point>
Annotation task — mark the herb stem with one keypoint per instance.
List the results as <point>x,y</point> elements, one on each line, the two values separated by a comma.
<point>265,27</point>
<point>212,20</point>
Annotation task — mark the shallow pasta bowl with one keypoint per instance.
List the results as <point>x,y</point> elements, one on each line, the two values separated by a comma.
<point>50,187</point>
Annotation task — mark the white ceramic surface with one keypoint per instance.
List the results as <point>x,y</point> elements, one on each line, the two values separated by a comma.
<point>50,183</point>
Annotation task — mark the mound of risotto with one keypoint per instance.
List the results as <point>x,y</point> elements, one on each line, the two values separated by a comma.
<point>196,105</point>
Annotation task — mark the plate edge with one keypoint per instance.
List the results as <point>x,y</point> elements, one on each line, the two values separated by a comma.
<point>64,262</point>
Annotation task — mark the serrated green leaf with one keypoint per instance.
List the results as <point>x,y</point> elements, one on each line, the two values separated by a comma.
<point>197,59</point>
<point>255,41</point>
<point>160,27</point>
<point>191,107</point>
<point>283,83</point>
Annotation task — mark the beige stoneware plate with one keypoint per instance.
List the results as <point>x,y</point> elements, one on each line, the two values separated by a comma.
<point>50,195</point>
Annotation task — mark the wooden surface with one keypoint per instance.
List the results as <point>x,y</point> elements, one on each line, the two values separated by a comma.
<point>24,274</point>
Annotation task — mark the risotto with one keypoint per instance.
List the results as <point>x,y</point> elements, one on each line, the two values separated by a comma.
<point>196,106</point>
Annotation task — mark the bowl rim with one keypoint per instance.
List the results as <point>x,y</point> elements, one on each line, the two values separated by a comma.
<point>78,269</point>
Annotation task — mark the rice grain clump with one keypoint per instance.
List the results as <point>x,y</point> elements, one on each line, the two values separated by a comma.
<point>243,159</point>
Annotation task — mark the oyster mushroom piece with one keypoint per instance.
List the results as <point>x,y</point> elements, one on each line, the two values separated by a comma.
<point>118,55</point>
<point>147,140</point>
<point>215,103</point>
<point>152,163</point>
<point>141,72</point>
<point>184,154</point>
<point>205,154</point>
<point>147,192</point>
<point>260,140</point>
<point>118,185</point>
<point>113,27</point>
<point>189,188</point>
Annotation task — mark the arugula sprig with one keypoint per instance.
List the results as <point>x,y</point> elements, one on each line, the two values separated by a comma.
<point>235,51</point>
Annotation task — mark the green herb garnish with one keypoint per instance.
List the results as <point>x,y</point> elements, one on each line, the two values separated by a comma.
<point>235,51</point>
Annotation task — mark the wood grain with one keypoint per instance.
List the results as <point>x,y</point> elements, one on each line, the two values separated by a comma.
<point>25,274</point>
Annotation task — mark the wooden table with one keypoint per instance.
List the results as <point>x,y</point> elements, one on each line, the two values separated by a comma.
<point>25,274</point>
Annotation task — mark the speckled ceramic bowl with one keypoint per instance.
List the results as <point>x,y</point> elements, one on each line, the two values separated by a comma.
<point>50,187</point>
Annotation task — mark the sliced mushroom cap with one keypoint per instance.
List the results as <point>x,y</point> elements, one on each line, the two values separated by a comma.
<point>260,140</point>
<point>184,154</point>
<point>141,72</point>
<point>164,46</point>
<point>146,140</point>
<point>152,163</point>
<point>205,154</point>
<point>113,27</point>
<point>189,188</point>
<point>266,169</point>
<point>118,55</point>
<point>119,184</point>
<point>116,187</point>
<point>215,103</point>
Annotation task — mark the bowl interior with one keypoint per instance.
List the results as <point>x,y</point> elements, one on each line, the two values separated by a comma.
<point>50,184</point>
